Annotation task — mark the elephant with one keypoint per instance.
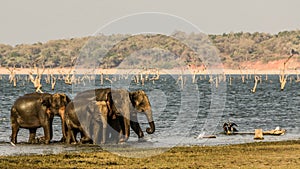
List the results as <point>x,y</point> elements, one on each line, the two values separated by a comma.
<point>129,104</point>
<point>95,110</point>
<point>123,106</point>
<point>73,124</point>
<point>58,103</point>
<point>36,110</point>
<point>141,103</point>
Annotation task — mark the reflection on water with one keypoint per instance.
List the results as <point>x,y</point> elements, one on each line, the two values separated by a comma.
<point>267,108</point>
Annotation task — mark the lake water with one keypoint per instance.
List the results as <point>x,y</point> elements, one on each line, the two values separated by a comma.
<point>181,111</point>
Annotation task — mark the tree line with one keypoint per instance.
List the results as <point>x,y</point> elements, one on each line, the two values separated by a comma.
<point>233,49</point>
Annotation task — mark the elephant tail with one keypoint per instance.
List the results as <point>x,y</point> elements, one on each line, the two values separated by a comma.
<point>13,115</point>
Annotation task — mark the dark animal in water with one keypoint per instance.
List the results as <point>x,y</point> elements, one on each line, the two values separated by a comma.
<point>229,128</point>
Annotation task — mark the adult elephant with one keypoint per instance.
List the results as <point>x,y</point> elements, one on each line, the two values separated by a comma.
<point>129,104</point>
<point>36,110</point>
<point>89,114</point>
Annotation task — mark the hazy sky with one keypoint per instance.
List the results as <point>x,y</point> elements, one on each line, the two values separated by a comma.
<point>29,21</point>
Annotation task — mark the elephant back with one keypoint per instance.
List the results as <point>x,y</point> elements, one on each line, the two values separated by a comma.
<point>121,100</point>
<point>94,94</point>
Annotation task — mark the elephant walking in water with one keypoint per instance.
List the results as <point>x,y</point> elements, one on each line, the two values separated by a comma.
<point>122,107</point>
<point>129,104</point>
<point>36,110</point>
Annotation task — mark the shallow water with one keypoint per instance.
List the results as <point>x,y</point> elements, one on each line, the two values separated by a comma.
<point>181,114</point>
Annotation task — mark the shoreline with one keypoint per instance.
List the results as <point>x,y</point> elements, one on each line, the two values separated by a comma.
<point>247,155</point>
<point>26,71</point>
<point>57,147</point>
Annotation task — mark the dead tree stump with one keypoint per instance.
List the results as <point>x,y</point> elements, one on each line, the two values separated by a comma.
<point>258,134</point>
<point>255,84</point>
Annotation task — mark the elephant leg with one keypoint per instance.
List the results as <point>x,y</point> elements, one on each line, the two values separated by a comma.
<point>63,123</point>
<point>84,137</point>
<point>97,131</point>
<point>63,129</point>
<point>137,129</point>
<point>51,129</point>
<point>68,137</point>
<point>47,133</point>
<point>104,127</point>
<point>32,133</point>
<point>121,132</point>
<point>122,129</point>
<point>126,128</point>
<point>115,130</point>
<point>136,126</point>
<point>104,133</point>
<point>15,130</point>
<point>72,137</point>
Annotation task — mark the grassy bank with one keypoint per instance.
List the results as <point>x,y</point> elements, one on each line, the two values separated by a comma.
<point>254,155</point>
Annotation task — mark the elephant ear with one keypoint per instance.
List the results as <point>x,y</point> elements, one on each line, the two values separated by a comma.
<point>145,103</point>
<point>46,100</point>
<point>139,100</point>
<point>65,99</point>
<point>134,98</point>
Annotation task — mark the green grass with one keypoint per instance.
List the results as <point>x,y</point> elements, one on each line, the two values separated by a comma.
<point>254,155</point>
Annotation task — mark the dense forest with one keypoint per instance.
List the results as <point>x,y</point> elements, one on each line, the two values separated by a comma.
<point>109,51</point>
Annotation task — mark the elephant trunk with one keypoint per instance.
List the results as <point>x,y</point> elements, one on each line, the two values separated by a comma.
<point>151,122</point>
<point>151,129</point>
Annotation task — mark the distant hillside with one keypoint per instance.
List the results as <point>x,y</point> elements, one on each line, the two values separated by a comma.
<point>234,48</point>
